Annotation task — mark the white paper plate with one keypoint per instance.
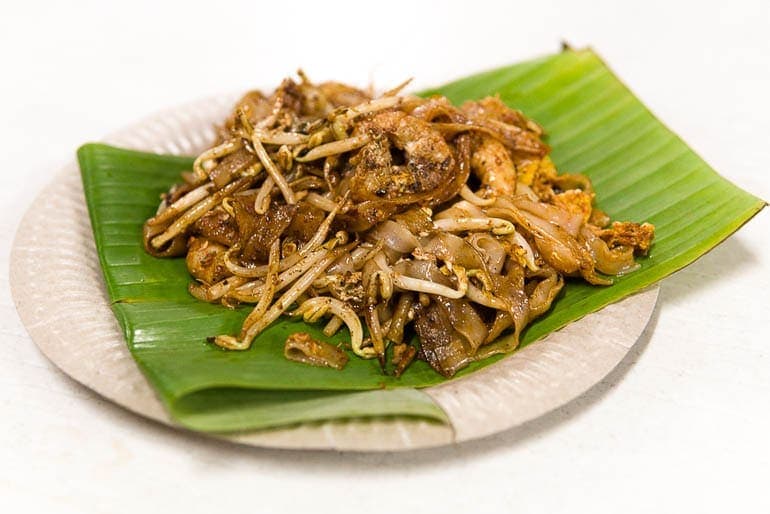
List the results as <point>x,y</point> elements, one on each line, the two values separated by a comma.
<point>59,292</point>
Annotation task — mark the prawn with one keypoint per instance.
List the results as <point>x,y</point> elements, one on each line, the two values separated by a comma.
<point>492,164</point>
<point>406,158</point>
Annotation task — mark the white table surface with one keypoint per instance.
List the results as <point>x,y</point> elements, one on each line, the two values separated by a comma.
<point>683,425</point>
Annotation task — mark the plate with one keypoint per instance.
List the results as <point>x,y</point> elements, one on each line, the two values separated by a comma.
<point>57,285</point>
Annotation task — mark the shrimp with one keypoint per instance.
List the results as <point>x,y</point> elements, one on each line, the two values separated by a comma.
<point>494,167</point>
<point>405,162</point>
<point>406,158</point>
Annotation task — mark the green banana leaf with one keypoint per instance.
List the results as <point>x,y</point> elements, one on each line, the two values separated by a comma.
<point>641,172</point>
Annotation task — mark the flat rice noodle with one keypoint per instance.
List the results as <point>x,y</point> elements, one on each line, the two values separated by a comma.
<point>490,249</point>
<point>451,248</point>
<point>230,165</point>
<point>617,261</point>
<point>555,250</point>
<point>217,225</point>
<point>416,220</point>
<point>510,287</point>
<point>501,323</point>
<point>445,349</point>
<point>524,308</point>
<point>464,319</point>
<point>523,189</point>
<point>424,270</point>
<point>511,127</point>
<point>395,236</point>
<point>342,265</point>
<point>558,248</point>
<point>363,215</point>
<point>418,181</point>
<point>258,231</point>
<point>542,296</point>
<point>569,221</point>
<point>305,222</point>
<point>391,255</point>
<point>461,209</point>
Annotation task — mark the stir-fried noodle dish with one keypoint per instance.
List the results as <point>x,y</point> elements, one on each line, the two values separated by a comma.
<point>394,216</point>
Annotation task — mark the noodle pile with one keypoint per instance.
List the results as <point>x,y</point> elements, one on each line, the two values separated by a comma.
<point>391,216</point>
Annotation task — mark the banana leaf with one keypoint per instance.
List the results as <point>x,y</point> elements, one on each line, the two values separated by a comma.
<point>641,172</point>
